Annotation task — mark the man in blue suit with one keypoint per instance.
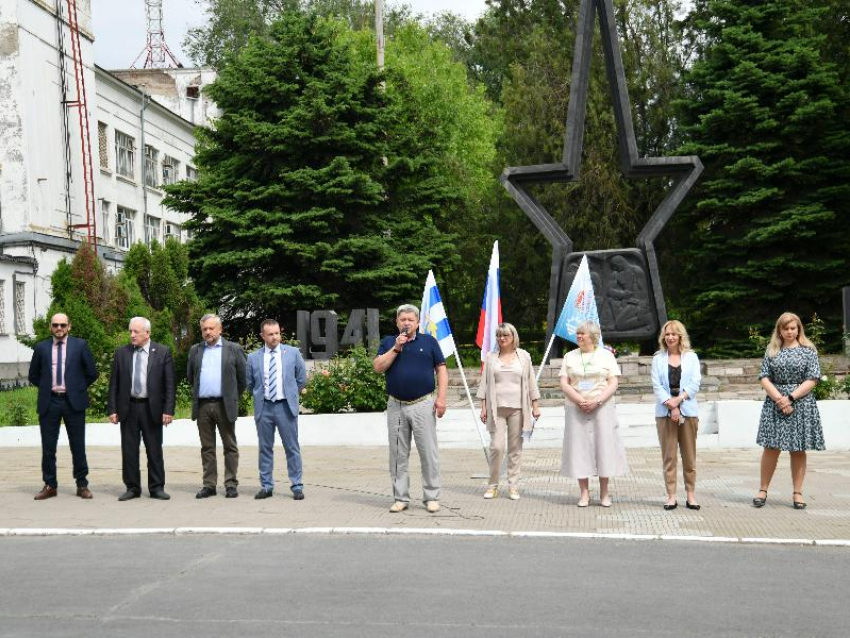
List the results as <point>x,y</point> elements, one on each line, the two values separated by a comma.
<point>62,368</point>
<point>276,375</point>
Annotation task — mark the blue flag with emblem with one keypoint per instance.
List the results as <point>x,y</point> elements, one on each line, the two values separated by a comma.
<point>579,306</point>
<point>433,319</point>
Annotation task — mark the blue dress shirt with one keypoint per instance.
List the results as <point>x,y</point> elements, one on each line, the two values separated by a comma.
<point>209,385</point>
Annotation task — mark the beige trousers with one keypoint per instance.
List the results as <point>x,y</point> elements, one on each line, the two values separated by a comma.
<point>671,435</point>
<point>508,428</point>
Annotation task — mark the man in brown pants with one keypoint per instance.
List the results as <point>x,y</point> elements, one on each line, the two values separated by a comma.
<point>216,372</point>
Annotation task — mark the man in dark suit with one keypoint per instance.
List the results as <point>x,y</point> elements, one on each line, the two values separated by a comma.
<point>141,398</point>
<point>216,372</point>
<point>63,368</point>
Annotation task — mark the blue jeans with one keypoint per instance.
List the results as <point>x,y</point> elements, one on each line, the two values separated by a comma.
<point>276,416</point>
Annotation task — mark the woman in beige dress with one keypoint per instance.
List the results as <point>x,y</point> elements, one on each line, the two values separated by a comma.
<point>509,399</point>
<point>592,445</point>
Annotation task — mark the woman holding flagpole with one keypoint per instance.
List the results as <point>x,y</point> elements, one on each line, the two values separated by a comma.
<point>510,400</point>
<point>675,383</point>
<point>592,444</point>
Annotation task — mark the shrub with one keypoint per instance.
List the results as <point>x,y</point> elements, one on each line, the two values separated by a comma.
<point>347,383</point>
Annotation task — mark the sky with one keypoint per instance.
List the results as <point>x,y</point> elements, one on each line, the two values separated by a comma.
<point>120,30</point>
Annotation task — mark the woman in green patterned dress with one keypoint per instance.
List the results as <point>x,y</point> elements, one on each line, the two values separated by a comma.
<point>790,420</point>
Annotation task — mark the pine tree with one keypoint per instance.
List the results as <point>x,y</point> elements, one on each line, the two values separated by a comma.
<point>766,112</point>
<point>316,188</point>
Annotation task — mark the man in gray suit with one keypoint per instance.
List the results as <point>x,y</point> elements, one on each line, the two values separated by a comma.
<point>216,372</point>
<point>276,376</point>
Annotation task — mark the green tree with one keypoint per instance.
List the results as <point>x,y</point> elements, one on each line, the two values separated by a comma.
<point>316,187</point>
<point>766,110</point>
<point>157,276</point>
<point>231,23</point>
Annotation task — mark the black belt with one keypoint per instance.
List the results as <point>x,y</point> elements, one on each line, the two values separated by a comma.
<point>60,395</point>
<point>210,400</point>
<point>138,400</point>
<point>274,400</point>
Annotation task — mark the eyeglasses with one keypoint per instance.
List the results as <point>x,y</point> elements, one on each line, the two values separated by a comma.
<point>58,325</point>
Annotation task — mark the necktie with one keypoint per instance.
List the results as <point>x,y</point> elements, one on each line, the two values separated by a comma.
<point>59,380</point>
<point>272,375</point>
<point>137,373</point>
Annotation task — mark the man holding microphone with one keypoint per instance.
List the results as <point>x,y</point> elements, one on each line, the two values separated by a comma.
<point>410,361</point>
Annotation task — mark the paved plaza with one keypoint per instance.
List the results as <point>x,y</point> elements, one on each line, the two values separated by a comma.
<point>349,487</point>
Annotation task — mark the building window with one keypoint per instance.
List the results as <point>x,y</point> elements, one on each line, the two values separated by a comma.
<point>2,307</point>
<point>103,144</point>
<point>125,227</point>
<point>20,307</point>
<point>125,155</point>
<point>191,173</point>
<point>172,230</point>
<point>193,92</point>
<point>170,170</point>
<point>104,221</point>
<point>151,229</point>
<point>151,166</point>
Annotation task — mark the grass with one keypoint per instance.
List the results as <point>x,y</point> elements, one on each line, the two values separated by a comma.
<point>17,406</point>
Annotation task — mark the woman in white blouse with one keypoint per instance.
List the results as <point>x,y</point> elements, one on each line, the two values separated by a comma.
<point>675,382</point>
<point>510,398</point>
<point>592,445</point>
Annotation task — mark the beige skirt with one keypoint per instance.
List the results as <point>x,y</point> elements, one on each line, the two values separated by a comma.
<point>592,444</point>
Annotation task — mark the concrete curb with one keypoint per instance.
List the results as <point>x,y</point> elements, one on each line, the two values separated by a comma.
<point>412,531</point>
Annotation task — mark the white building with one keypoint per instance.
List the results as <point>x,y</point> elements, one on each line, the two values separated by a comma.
<point>137,144</point>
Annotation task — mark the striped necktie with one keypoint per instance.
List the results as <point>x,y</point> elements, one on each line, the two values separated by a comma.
<point>272,384</point>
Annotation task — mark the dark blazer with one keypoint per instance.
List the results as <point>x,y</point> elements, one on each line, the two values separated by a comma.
<point>232,376</point>
<point>80,372</point>
<point>160,382</point>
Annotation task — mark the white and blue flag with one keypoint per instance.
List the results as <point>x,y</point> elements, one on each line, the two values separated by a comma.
<point>433,320</point>
<point>579,306</point>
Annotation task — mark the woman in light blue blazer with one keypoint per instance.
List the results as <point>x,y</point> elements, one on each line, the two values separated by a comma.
<point>675,382</point>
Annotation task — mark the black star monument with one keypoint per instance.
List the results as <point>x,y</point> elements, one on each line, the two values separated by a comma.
<point>626,281</point>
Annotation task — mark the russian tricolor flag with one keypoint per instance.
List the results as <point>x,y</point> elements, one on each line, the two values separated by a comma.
<point>491,308</point>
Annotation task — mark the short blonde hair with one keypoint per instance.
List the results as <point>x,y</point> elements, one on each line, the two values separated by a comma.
<point>508,329</point>
<point>591,328</point>
<point>679,328</point>
<point>776,340</point>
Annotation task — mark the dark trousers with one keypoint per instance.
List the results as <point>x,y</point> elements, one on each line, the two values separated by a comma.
<point>139,422</point>
<point>212,415</point>
<point>75,426</point>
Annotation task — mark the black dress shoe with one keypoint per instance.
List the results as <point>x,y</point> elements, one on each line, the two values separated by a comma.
<point>205,492</point>
<point>129,495</point>
<point>298,495</point>
<point>230,492</point>
<point>668,506</point>
<point>263,494</point>
<point>160,495</point>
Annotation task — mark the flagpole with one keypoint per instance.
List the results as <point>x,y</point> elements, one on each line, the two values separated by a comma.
<point>472,407</point>
<point>545,356</point>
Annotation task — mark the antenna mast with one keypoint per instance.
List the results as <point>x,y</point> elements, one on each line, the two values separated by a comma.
<point>156,52</point>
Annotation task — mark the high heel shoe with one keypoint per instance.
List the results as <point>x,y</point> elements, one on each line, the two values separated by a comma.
<point>759,502</point>
<point>798,505</point>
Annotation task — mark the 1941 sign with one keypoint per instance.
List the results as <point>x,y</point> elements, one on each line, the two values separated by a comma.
<point>318,331</point>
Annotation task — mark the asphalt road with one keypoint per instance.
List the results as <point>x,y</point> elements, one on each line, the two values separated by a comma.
<point>381,586</point>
